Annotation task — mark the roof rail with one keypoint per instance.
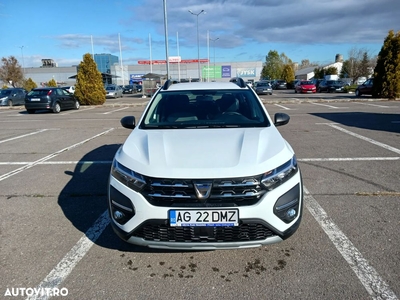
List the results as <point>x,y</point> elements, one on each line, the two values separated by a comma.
<point>167,84</point>
<point>239,81</point>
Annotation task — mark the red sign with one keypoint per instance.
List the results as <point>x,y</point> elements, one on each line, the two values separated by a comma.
<point>161,62</point>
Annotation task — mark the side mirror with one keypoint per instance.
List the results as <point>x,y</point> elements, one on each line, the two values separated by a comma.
<point>281,119</point>
<point>128,122</point>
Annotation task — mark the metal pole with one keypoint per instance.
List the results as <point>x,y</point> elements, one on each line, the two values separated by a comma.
<point>179,64</point>
<point>166,36</point>
<point>214,40</point>
<point>198,47</point>
<point>120,55</point>
<point>23,63</point>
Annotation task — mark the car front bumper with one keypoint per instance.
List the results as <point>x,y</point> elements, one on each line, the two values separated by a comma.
<point>258,225</point>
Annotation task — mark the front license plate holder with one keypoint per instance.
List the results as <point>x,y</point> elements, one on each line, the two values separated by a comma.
<point>203,217</point>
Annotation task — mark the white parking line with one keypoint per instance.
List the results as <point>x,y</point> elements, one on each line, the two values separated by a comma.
<point>376,105</point>
<point>24,135</point>
<point>112,111</point>
<point>387,147</point>
<point>71,259</point>
<point>50,156</point>
<point>283,106</point>
<point>369,277</point>
<point>330,106</point>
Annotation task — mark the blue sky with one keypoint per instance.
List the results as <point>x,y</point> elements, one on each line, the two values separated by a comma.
<point>246,29</point>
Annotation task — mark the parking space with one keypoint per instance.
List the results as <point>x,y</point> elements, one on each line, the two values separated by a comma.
<point>55,232</point>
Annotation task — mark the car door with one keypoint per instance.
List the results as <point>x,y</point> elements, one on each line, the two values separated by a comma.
<point>366,87</point>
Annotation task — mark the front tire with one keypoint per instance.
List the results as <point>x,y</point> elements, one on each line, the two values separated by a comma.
<point>10,103</point>
<point>358,94</point>
<point>57,108</point>
<point>77,105</point>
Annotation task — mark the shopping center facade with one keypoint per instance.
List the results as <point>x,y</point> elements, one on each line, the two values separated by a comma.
<point>120,74</point>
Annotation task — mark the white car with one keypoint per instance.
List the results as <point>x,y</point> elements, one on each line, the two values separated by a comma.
<point>205,168</point>
<point>69,89</point>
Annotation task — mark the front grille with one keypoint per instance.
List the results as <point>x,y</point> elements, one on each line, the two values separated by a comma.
<point>158,231</point>
<point>224,192</point>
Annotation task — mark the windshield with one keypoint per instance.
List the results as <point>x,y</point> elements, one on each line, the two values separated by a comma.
<point>110,88</point>
<point>204,109</point>
<point>306,82</point>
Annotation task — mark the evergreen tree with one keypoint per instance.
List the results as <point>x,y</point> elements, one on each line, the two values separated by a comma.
<point>387,69</point>
<point>52,83</point>
<point>29,84</point>
<point>288,73</point>
<point>89,89</point>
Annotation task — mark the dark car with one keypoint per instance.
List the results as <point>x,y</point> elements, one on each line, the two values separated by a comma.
<point>12,96</point>
<point>263,87</point>
<point>317,81</point>
<point>129,89</point>
<point>292,84</point>
<point>331,86</point>
<point>365,88</point>
<point>50,98</point>
<point>279,85</point>
<point>139,88</point>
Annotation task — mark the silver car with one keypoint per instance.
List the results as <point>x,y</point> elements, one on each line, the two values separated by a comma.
<point>263,87</point>
<point>113,91</point>
<point>12,96</point>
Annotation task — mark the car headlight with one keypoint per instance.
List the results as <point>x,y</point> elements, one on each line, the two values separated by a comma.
<point>127,176</point>
<point>279,175</point>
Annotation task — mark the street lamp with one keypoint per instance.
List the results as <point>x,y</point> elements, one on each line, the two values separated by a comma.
<point>198,49</point>
<point>214,40</point>
<point>23,63</point>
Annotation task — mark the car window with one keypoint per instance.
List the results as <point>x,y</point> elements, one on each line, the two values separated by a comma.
<point>5,92</point>
<point>204,109</point>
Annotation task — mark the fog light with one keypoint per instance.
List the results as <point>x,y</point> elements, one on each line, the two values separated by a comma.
<point>118,215</point>
<point>290,213</point>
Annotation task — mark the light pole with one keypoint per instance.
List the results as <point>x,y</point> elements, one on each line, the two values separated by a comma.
<point>198,49</point>
<point>23,63</point>
<point>214,40</point>
<point>166,36</point>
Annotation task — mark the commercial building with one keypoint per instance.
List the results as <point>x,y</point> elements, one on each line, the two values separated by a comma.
<point>180,70</point>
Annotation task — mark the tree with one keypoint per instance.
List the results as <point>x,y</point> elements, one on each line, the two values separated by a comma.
<point>278,66</point>
<point>52,82</point>
<point>321,72</point>
<point>273,66</point>
<point>11,71</point>
<point>29,84</point>
<point>359,64</point>
<point>89,89</point>
<point>387,69</point>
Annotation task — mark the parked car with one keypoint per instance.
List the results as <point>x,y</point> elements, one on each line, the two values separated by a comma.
<point>129,89</point>
<point>69,89</point>
<point>113,91</point>
<point>12,96</point>
<point>263,87</point>
<point>305,86</point>
<point>139,88</point>
<point>331,86</point>
<point>292,84</point>
<point>54,99</point>
<point>317,81</point>
<point>170,189</point>
<point>365,88</point>
<point>279,85</point>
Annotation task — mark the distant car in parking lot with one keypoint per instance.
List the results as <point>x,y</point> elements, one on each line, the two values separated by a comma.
<point>139,88</point>
<point>69,89</point>
<point>365,88</point>
<point>129,89</point>
<point>113,91</point>
<point>54,99</point>
<point>305,86</point>
<point>12,96</point>
<point>331,86</point>
<point>263,87</point>
<point>279,85</point>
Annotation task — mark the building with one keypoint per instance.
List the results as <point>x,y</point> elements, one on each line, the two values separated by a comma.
<point>308,73</point>
<point>185,70</point>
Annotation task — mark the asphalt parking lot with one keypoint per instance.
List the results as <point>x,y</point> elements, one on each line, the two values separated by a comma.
<point>55,231</point>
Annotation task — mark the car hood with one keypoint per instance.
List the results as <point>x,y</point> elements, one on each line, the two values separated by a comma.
<point>307,86</point>
<point>204,153</point>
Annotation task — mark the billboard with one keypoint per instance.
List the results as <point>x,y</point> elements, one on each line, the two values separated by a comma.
<point>226,71</point>
<point>212,72</point>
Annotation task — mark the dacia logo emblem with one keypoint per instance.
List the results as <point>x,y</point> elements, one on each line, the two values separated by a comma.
<point>202,189</point>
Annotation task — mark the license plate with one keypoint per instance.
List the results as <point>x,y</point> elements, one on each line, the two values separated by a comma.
<point>35,99</point>
<point>224,217</point>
